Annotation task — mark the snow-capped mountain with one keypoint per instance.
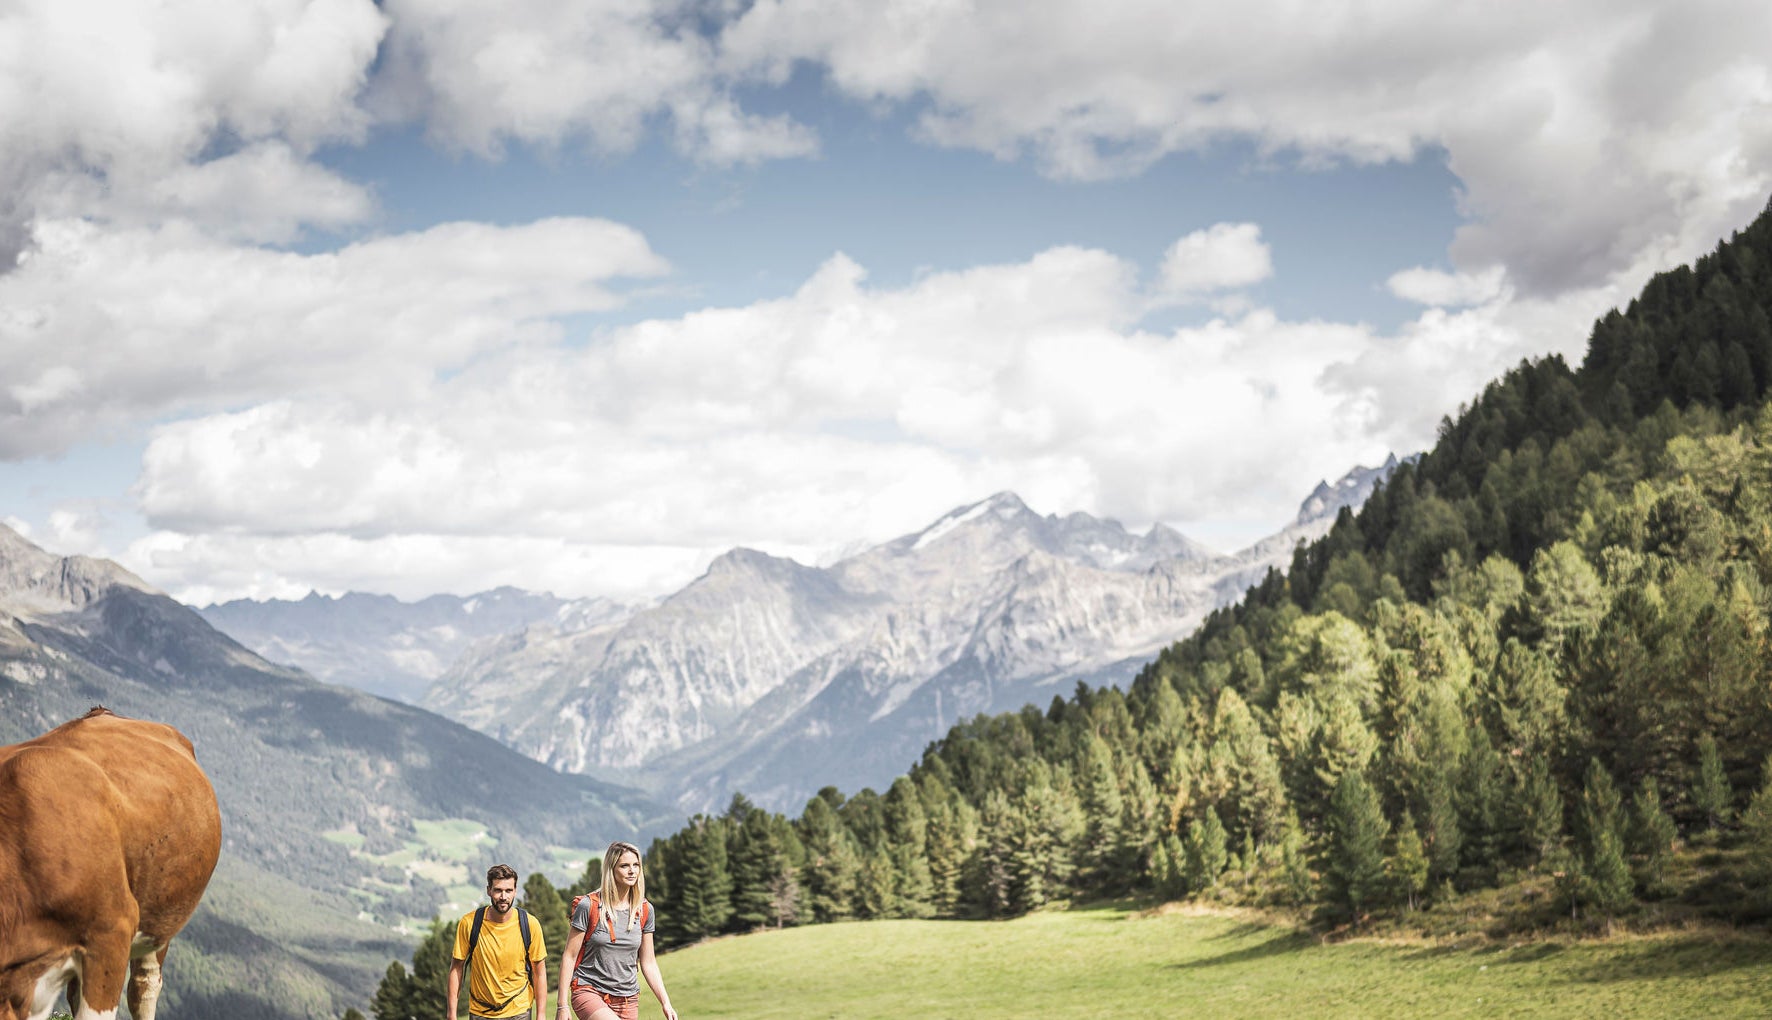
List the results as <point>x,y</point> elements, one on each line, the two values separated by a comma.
<point>382,645</point>
<point>774,678</point>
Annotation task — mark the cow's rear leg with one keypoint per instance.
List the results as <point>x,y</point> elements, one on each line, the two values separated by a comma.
<point>144,984</point>
<point>102,974</point>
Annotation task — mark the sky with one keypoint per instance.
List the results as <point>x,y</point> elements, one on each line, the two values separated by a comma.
<point>431,296</point>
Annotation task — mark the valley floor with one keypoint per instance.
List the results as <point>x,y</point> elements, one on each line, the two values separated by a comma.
<point>1115,963</point>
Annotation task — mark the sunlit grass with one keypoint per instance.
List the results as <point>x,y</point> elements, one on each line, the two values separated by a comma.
<point>1111,963</point>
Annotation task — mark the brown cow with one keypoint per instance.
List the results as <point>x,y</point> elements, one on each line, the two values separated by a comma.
<point>108,834</point>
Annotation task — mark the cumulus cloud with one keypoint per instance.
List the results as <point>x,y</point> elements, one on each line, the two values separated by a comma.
<point>101,329</point>
<point>549,72</point>
<point>1584,134</point>
<point>838,412</point>
<point>1223,256</point>
<point>109,107</point>
<point>1447,290</point>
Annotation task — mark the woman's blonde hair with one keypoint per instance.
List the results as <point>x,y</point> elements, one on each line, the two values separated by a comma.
<point>637,895</point>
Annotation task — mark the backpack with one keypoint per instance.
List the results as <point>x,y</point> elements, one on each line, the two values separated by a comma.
<point>468,964</point>
<point>591,926</point>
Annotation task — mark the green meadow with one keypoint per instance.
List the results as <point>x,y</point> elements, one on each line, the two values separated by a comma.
<point>1116,963</point>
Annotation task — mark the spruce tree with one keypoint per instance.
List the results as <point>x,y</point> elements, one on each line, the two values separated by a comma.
<point>757,862</point>
<point>1408,862</point>
<point>1652,832</point>
<point>873,885</point>
<point>1354,875</point>
<point>543,902</point>
<point>1756,824</point>
<point>828,878</point>
<point>1444,830</point>
<point>1205,851</point>
<point>1540,810</point>
<point>1712,796</point>
<point>1607,886</point>
<point>1171,869</point>
<point>393,997</point>
<point>947,857</point>
<point>591,879</point>
<point>702,883</point>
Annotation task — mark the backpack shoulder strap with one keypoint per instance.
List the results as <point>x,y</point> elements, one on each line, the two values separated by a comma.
<point>594,907</point>
<point>473,938</point>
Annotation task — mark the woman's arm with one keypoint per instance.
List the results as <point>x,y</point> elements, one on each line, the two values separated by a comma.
<point>568,961</point>
<point>654,980</point>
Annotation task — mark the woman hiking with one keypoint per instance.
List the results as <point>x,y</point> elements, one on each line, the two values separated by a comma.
<point>611,945</point>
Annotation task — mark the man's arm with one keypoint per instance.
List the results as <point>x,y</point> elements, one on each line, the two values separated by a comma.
<point>538,981</point>
<point>452,989</point>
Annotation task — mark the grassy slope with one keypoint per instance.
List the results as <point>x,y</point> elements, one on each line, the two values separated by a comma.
<point>1111,963</point>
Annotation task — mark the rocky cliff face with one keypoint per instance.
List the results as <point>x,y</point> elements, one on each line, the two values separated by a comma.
<point>773,678</point>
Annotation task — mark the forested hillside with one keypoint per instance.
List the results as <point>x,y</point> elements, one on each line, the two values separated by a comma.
<point>1539,650</point>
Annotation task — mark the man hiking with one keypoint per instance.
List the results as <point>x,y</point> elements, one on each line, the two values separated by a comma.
<point>501,949</point>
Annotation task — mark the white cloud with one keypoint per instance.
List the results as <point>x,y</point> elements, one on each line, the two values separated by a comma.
<point>549,72</point>
<point>1447,290</point>
<point>102,329</point>
<point>110,107</point>
<point>1221,257</point>
<point>1585,134</point>
<point>797,425</point>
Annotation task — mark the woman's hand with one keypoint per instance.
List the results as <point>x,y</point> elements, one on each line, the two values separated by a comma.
<point>669,1013</point>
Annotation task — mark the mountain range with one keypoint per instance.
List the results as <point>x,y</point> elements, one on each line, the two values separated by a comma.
<point>347,818</point>
<point>773,678</point>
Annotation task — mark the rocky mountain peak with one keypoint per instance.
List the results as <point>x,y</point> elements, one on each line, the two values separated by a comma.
<point>34,579</point>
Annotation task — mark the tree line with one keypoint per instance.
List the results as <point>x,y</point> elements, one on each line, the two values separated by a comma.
<point>1538,649</point>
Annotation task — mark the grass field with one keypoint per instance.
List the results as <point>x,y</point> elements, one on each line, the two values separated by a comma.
<point>1114,963</point>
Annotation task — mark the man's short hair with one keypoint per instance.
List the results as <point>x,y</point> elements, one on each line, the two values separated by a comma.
<point>498,872</point>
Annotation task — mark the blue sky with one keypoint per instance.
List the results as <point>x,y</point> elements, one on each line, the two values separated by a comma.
<point>415,297</point>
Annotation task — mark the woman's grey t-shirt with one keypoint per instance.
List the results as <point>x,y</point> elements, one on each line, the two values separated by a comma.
<point>611,967</point>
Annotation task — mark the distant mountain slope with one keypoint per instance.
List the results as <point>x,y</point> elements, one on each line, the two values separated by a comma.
<point>326,792</point>
<point>382,645</point>
<point>774,678</point>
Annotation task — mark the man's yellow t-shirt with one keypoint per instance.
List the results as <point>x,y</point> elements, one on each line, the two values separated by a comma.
<point>498,978</point>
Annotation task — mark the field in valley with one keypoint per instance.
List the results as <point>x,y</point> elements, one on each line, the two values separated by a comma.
<point>1116,963</point>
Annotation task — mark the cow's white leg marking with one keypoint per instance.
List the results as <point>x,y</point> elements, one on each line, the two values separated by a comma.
<point>144,977</point>
<point>49,988</point>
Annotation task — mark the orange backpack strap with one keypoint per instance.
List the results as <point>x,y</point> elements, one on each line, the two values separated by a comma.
<point>590,926</point>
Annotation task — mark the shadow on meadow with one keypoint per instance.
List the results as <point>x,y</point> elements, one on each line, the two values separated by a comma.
<point>1272,944</point>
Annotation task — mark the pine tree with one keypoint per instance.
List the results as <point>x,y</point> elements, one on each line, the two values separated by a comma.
<point>907,836</point>
<point>543,901</point>
<point>1539,806</point>
<point>1607,886</point>
<point>832,863</point>
<point>1480,802</point>
<point>591,879</point>
<point>1098,866</point>
<point>1205,851</point>
<point>757,862</point>
<point>393,997</point>
<point>873,885</point>
<point>1408,862</point>
<point>1354,875</point>
<point>1445,834</point>
<point>1756,824</point>
<point>702,884</point>
<point>1652,832</point>
<point>1171,869</point>
<point>1712,795</point>
<point>947,858</point>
